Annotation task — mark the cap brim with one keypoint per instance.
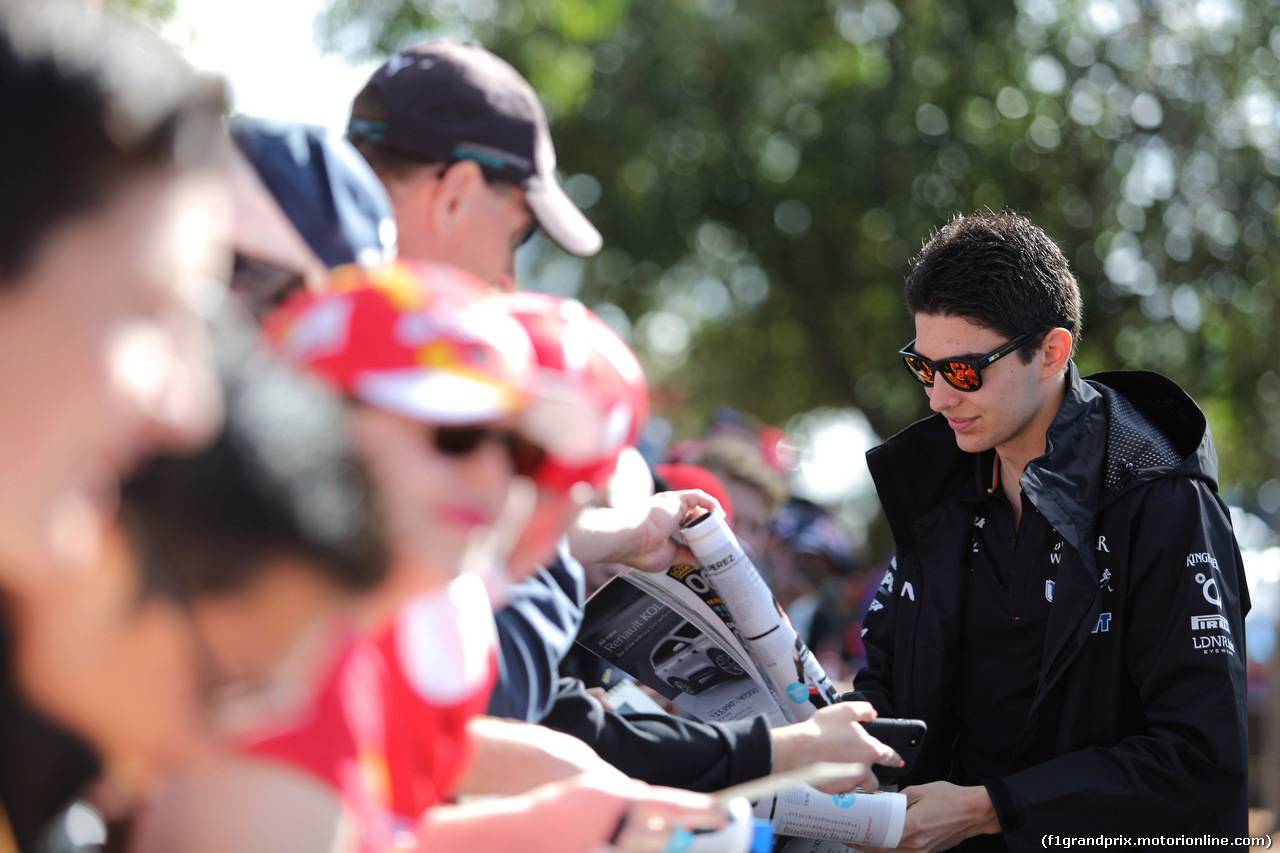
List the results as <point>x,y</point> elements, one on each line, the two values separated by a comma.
<point>562,220</point>
<point>436,397</point>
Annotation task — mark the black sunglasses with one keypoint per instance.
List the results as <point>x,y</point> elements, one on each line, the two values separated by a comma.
<point>964,374</point>
<point>526,457</point>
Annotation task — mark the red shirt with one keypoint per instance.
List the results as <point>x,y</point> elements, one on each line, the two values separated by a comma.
<point>388,727</point>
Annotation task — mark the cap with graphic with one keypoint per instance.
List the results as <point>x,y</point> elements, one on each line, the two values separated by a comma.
<point>444,101</point>
<point>427,341</point>
<point>591,399</point>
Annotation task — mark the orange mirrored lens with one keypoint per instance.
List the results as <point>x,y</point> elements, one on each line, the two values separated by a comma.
<point>961,375</point>
<point>921,369</point>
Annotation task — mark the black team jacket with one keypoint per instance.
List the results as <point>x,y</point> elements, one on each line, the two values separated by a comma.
<point>1136,729</point>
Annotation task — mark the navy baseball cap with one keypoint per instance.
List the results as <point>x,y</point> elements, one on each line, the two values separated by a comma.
<point>807,528</point>
<point>444,101</point>
<point>328,191</point>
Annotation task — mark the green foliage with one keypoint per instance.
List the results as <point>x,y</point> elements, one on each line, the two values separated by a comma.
<point>154,13</point>
<point>763,172</point>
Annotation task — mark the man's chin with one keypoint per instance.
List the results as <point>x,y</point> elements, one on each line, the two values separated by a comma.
<point>972,443</point>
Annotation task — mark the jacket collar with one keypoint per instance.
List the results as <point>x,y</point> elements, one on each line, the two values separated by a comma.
<point>1065,483</point>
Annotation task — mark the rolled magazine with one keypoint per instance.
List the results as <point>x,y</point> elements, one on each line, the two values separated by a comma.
<point>785,662</point>
<point>854,818</point>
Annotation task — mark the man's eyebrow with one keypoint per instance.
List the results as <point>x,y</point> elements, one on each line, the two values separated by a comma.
<point>963,356</point>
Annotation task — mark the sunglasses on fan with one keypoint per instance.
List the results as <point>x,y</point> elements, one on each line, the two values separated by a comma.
<point>964,374</point>
<point>458,442</point>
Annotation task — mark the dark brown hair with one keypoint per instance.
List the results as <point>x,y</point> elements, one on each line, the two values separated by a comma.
<point>88,101</point>
<point>1001,272</point>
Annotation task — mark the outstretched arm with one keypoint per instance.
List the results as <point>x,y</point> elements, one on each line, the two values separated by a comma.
<point>583,814</point>
<point>606,535</point>
<point>513,758</point>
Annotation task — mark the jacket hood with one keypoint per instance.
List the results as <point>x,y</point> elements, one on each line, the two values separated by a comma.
<point>1155,429</point>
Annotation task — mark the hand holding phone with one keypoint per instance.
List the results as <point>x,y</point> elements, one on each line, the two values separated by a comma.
<point>905,736</point>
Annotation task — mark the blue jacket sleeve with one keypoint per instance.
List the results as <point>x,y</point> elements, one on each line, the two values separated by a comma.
<point>535,631</point>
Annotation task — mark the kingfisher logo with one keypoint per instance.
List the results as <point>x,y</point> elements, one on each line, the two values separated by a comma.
<point>1200,559</point>
<point>1209,623</point>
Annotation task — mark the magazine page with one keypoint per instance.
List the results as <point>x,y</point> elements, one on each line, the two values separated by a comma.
<point>663,648</point>
<point>683,588</point>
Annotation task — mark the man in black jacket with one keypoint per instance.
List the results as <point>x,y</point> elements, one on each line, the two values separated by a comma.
<point>1066,603</point>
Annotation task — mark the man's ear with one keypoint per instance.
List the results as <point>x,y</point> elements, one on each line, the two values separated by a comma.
<point>1056,351</point>
<point>453,193</point>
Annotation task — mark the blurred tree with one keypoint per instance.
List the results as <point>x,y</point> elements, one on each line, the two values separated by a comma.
<point>762,173</point>
<point>155,13</point>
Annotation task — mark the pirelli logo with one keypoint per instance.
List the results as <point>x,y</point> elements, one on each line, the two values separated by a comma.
<point>1208,623</point>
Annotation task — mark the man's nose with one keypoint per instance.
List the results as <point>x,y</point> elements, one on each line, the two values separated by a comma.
<point>506,281</point>
<point>941,395</point>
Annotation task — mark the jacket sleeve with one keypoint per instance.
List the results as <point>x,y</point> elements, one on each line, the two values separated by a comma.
<point>665,750</point>
<point>1185,608</point>
<point>535,631</point>
<point>874,682</point>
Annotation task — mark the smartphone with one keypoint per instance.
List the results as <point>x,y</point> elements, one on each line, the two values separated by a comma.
<point>905,736</point>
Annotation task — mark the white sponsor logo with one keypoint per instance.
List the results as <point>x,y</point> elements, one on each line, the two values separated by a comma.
<point>1048,590</point>
<point>887,583</point>
<point>908,591</point>
<point>1209,623</point>
<point>1215,643</point>
<point>1202,557</point>
<point>398,62</point>
<point>875,605</point>
<point>1209,587</point>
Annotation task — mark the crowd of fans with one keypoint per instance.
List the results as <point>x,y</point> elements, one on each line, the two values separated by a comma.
<point>303,497</point>
<point>299,486</point>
